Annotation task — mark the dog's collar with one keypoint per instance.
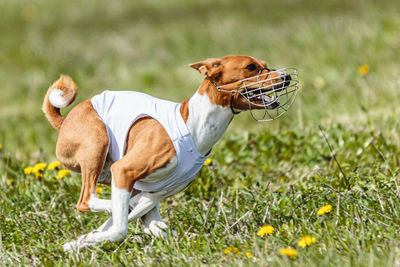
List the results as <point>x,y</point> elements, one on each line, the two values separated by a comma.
<point>232,98</point>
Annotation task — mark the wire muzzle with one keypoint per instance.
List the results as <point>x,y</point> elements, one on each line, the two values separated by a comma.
<point>271,91</point>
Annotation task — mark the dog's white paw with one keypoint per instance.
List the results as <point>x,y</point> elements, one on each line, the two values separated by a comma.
<point>71,246</point>
<point>156,228</point>
<point>81,242</point>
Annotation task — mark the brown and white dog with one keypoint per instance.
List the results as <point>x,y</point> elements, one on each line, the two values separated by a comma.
<point>83,143</point>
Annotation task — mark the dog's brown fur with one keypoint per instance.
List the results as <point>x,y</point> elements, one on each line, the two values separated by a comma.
<point>83,141</point>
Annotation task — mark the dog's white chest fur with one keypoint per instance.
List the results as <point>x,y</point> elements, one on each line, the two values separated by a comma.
<point>206,122</point>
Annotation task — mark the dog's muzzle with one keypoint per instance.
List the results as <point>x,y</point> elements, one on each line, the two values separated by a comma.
<point>271,91</point>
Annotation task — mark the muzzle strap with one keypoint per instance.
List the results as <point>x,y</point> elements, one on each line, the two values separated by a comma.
<point>233,111</point>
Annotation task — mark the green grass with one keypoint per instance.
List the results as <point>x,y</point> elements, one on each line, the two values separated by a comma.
<point>276,173</point>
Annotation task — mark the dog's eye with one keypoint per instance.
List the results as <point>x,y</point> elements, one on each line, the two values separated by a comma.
<point>251,67</point>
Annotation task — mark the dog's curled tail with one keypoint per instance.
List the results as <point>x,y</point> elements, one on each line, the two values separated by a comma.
<point>59,95</point>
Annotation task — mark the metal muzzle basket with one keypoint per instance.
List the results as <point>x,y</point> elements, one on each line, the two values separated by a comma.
<point>270,93</point>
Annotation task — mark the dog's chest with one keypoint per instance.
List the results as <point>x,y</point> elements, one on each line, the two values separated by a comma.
<point>159,174</point>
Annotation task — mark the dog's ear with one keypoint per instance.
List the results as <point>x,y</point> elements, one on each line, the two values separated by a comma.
<point>207,67</point>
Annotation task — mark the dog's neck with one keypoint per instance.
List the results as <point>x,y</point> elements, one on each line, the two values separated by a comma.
<point>207,115</point>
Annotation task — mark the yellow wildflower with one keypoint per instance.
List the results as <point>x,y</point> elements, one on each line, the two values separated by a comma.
<point>231,250</point>
<point>39,167</point>
<point>39,175</point>
<point>249,255</point>
<point>28,170</point>
<point>99,190</point>
<point>290,252</point>
<point>266,230</point>
<point>1,146</point>
<point>62,173</point>
<point>207,162</point>
<point>10,181</point>
<point>363,69</point>
<point>54,165</point>
<point>324,209</point>
<point>306,241</point>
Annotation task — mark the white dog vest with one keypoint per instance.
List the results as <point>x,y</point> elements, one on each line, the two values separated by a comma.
<point>119,110</point>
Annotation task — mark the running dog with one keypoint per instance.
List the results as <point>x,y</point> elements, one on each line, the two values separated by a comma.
<point>148,149</point>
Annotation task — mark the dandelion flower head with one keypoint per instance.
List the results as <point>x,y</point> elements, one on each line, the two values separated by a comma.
<point>28,170</point>
<point>363,69</point>
<point>39,167</point>
<point>54,165</point>
<point>306,241</point>
<point>207,162</point>
<point>231,250</point>
<point>290,252</point>
<point>62,173</point>
<point>325,209</point>
<point>266,230</point>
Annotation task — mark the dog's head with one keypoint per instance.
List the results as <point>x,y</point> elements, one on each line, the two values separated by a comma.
<point>249,82</point>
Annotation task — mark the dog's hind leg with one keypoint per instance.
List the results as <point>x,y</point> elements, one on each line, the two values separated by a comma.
<point>119,227</point>
<point>82,146</point>
<point>124,173</point>
<point>153,223</point>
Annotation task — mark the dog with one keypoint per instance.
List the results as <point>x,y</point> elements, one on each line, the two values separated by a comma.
<point>148,149</point>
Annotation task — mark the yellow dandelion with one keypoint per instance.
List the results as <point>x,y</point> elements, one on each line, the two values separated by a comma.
<point>54,165</point>
<point>39,167</point>
<point>28,170</point>
<point>249,255</point>
<point>231,250</point>
<point>1,146</point>
<point>62,173</point>
<point>266,230</point>
<point>39,175</point>
<point>207,162</point>
<point>290,252</point>
<point>325,209</point>
<point>99,190</point>
<point>363,69</point>
<point>10,181</point>
<point>306,241</point>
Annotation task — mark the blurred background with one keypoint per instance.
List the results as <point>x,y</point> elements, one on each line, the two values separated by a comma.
<point>346,53</point>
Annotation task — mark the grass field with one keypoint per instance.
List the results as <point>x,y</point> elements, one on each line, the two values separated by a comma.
<point>279,173</point>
